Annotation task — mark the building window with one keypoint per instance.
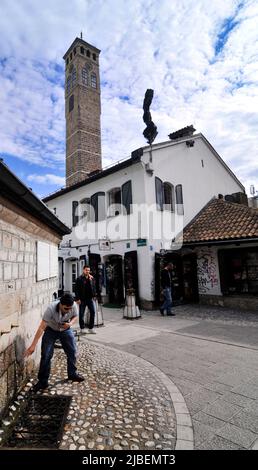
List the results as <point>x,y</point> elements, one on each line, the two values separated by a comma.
<point>94,56</point>
<point>114,202</point>
<point>67,61</point>
<point>88,53</point>
<point>74,51</point>
<point>98,207</point>
<point>82,50</point>
<point>179,199</point>
<point>159,193</point>
<point>75,213</point>
<point>71,103</point>
<point>85,75</point>
<point>93,80</point>
<point>239,271</point>
<point>74,275</point>
<point>84,215</point>
<point>169,197</point>
<point>127,199</point>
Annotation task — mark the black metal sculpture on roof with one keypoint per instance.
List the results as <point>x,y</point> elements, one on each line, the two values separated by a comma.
<point>150,132</point>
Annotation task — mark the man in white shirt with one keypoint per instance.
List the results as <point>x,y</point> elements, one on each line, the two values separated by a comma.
<point>56,324</point>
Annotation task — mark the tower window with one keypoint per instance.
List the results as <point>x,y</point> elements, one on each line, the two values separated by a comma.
<point>94,56</point>
<point>85,76</point>
<point>67,61</point>
<point>73,77</point>
<point>68,84</point>
<point>74,51</point>
<point>88,53</point>
<point>71,103</point>
<point>82,50</point>
<point>71,56</point>
<point>93,80</point>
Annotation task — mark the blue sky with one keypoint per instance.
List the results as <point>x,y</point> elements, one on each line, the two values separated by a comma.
<point>200,57</point>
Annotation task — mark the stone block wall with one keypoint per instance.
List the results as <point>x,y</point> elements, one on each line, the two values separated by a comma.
<point>22,298</point>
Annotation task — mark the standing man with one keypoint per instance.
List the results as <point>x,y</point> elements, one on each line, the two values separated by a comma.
<point>84,294</point>
<point>56,324</point>
<point>166,284</point>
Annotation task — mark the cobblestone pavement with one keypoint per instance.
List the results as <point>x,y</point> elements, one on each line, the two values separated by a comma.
<point>121,404</point>
<point>211,355</point>
<point>218,314</point>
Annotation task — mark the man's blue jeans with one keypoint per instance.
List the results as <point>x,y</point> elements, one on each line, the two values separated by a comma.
<point>90,304</point>
<point>67,340</point>
<point>167,304</point>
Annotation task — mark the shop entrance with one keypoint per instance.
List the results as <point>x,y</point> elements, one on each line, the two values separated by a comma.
<point>114,280</point>
<point>184,277</point>
<point>131,274</point>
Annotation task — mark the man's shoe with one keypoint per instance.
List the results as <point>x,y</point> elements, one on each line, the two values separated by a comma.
<point>171,315</point>
<point>76,378</point>
<point>83,331</point>
<point>92,331</point>
<point>39,386</point>
<point>161,312</point>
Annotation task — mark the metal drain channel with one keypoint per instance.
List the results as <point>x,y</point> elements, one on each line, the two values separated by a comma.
<point>41,423</point>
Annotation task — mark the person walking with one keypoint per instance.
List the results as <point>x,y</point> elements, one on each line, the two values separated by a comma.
<point>56,324</point>
<point>166,284</point>
<point>84,294</point>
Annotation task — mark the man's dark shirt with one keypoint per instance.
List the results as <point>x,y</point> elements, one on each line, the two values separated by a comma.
<point>165,278</point>
<point>84,288</point>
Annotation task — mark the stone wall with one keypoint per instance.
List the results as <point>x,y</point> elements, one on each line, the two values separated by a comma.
<point>22,298</point>
<point>244,302</point>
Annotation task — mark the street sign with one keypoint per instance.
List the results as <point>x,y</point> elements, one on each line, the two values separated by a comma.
<point>141,242</point>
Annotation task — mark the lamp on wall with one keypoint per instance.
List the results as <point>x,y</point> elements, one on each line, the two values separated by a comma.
<point>189,143</point>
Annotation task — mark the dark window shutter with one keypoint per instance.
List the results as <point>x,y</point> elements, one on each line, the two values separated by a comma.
<point>94,204</point>
<point>179,199</point>
<point>159,193</point>
<point>75,213</point>
<point>127,199</point>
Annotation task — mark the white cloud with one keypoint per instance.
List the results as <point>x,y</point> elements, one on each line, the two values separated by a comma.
<point>47,179</point>
<point>167,45</point>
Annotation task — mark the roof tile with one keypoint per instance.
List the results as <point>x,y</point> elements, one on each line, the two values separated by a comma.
<point>222,220</point>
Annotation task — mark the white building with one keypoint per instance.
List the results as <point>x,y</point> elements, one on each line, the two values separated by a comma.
<point>170,181</point>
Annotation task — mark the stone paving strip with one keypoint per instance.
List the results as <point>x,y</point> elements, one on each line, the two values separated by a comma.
<point>125,403</point>
<point>122,404</point>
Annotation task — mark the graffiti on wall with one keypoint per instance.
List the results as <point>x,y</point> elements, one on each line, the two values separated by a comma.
<point>207,272</point>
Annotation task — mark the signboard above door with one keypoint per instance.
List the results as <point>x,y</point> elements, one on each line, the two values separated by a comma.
<point>104,245</point>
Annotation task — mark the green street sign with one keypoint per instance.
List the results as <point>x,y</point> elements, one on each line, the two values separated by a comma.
<point>141,242</point>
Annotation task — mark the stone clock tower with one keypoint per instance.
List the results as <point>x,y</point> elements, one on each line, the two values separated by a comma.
<point>82,111</point>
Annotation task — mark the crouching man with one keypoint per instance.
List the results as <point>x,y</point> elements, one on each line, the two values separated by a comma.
<point>56,324</point>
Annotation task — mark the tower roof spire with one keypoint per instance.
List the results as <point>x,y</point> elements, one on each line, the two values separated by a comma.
<point>81,34</point>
